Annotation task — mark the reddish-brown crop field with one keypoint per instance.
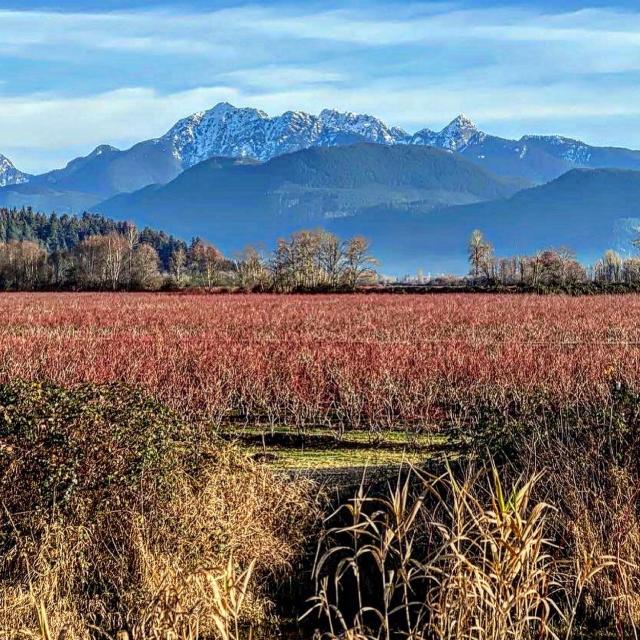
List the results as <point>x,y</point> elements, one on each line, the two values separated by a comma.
<point>374,361</point>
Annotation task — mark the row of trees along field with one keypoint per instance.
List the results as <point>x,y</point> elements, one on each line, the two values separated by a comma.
<point>549,267</point>
<point>92,252</point>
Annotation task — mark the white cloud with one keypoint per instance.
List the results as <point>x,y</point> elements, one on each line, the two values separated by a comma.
<point>170,32</point>
<point>126,116</point>
<point>160,33</point>
<point>41,121</point>
<point>271,77</point>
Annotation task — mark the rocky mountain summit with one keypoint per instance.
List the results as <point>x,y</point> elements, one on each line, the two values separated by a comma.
<point>229,131</point>
<point>9,174</point>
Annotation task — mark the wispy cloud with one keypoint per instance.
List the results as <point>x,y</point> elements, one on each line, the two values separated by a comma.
<point>270,77</point>
<point>119,116</point>
<point>172,32</point>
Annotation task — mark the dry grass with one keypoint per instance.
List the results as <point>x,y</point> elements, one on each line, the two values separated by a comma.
<point>593,476</point>
<point>157,572</point>
<point>455,558</point>
<point>181,556</point>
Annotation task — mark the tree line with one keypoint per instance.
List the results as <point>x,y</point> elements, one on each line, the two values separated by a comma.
<point>92,252</point>
<point>549,268</point>
<point>59,234</point>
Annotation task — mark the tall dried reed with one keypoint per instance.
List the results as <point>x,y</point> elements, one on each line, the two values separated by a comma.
<point>448,557</point>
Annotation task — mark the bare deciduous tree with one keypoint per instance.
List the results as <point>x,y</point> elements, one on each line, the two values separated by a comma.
<point>251,270</point>
<point>178,265</point>
<point>359,263</point>
<point>145,273</point>
<point>205,260</point>
<point>23,264</point>
<point>480,254</point>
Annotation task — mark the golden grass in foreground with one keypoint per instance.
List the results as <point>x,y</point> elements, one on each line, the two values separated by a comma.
<point>157,571</point>
<point>117,516</point>
<point>451,558</point>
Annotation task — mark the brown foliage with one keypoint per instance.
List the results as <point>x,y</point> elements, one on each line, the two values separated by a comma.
<point>116,515</point>
<point>359,361</point>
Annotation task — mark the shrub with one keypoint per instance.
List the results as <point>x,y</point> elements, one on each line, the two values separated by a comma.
<point>75,449</point>
<point>590,454</point>
<point>118,515</point>
<point>593,476</point>
<point>298,360</point>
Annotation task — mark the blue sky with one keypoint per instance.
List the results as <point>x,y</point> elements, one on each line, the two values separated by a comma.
<point>78,73</point>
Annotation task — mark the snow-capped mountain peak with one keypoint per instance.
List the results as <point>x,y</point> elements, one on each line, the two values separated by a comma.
<point>454,137</point>
<point>425,136</point>
<point>226,130</point>
<point>223,130</point>
<point>369,127</point>
<point>9,174</point>
<point>574,151</point>
<point>103,148</point>
<point>462,121</point>
<point>243,132</point>
<point>458,133</point>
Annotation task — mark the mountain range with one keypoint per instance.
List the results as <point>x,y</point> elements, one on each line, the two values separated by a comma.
<point>239,201</point>
<point>227,131</point>
<point>586,210</point>
<point>418,205</point>
<point>222,131</point>
<point>237,176</point>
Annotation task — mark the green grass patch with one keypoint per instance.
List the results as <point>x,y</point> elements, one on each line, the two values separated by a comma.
<point>337,458</point>
<point>280,433</point>
<point>285,448</point>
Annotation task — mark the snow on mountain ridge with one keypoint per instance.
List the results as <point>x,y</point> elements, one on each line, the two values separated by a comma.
<point>572,150</point>
<point>459,133</point>
<point>223,130</point>
<point>9,174</point>
<point>226,130</point>
<point>103,148</point>
<point>371,128</point>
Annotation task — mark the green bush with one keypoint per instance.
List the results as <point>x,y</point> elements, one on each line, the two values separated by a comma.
<point>90,444</point>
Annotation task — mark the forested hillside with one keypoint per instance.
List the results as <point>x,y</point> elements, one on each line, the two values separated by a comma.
<point>238,202</point>
<point>58,234</point>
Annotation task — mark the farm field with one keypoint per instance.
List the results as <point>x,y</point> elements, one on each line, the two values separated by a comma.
<point>338,363</point>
